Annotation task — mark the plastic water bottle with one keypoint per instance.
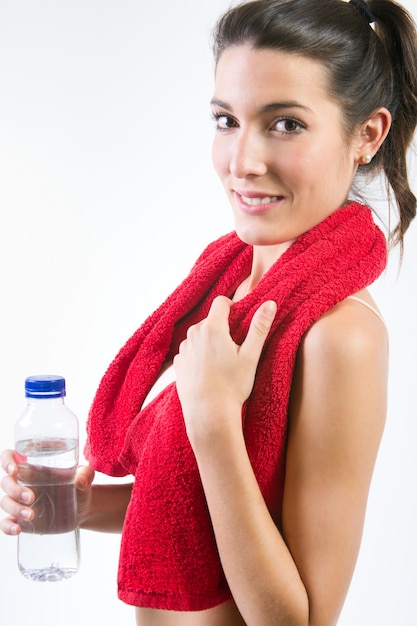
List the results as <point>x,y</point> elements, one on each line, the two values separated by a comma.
<point>46,444</point>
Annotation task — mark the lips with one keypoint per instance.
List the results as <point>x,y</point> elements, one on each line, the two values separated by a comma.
<point>255,203</point>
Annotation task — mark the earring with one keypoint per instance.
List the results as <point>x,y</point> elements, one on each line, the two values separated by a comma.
<point>366,159</point>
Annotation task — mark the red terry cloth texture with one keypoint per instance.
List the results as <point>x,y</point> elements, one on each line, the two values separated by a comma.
<point>169,558</point>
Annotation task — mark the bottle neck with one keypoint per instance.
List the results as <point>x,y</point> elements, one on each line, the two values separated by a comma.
<point>43,401</point>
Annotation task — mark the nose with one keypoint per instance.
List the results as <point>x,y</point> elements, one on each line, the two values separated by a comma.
<point>248,157</point>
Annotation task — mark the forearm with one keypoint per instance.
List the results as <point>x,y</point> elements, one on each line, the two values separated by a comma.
<point>214,378</point>
<point>107,508</point>
<point>260,570</point>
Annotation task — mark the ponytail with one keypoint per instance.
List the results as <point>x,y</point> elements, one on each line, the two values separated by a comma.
<point>397,32</point>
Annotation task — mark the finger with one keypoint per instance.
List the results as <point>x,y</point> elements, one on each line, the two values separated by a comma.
<point>84,477</point>
<point>8,462</point>
<point>220,309</point>
<point>259,328</point>
<point>217,318</point>
<point>15,510</point>
<point>9,526</point>
<point>16,491</point>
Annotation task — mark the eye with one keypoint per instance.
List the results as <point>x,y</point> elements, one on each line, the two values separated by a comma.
<point>223,121</point>
<point>289,126</point>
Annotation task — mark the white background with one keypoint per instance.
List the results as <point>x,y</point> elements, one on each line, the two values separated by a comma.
<point>107,196</point>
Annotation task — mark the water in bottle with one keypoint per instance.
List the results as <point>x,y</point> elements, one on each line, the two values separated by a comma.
<point>47,456</point>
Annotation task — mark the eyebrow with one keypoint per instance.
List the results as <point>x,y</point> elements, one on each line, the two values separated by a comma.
<point>266,108</point>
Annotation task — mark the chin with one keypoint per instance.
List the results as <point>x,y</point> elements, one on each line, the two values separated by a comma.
<point>252,238</point>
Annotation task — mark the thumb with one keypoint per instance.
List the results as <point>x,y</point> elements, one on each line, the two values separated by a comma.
<point>259,328</point>
<point>84,477</point>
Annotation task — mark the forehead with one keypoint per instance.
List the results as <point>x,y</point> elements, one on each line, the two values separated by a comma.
<point>243,71</point>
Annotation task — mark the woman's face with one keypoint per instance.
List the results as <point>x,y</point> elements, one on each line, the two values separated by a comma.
<point>280,149</point>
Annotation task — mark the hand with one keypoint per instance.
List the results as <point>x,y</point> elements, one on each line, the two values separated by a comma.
<point>214,375</point>
<point>18,499</point>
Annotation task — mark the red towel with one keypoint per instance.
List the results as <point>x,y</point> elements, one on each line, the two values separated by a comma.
<point>168,555</point>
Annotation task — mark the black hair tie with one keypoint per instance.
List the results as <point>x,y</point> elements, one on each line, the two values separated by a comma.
<point>363,9</point>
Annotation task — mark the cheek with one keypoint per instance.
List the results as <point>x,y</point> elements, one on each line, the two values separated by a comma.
<point>312,167</point>
<point>305,158</point>
<point>219,158</point>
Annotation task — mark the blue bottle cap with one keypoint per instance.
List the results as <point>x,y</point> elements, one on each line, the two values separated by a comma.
<point>45,386</point>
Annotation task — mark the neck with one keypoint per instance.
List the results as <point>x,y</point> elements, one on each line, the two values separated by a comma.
<point>264,258</point>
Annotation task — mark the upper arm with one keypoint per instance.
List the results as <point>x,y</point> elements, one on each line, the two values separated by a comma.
<point>337,415</point>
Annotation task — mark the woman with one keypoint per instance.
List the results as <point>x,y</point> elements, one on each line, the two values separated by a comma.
<point>252,471</point>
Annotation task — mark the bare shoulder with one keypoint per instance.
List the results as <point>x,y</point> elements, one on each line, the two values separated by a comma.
<point>352,329</point>
<point>341,372</point>
<point>344,359</point>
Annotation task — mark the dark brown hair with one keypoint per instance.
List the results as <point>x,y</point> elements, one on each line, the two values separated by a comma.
<point>368,67</point>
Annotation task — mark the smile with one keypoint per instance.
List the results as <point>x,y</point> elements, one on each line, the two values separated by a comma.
<point>258,201</point>
<point>257,205</point>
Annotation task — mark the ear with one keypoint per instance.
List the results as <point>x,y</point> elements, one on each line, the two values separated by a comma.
<point>372,134</point>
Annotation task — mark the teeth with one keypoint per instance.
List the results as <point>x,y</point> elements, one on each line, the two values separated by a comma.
<point>258,201</point>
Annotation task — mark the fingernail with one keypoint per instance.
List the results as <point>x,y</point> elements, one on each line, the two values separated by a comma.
<point>269,308</point>
<point>10,469</point>
<point>26,497</point>
<point>14,529</point>
<point>26,514</point>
